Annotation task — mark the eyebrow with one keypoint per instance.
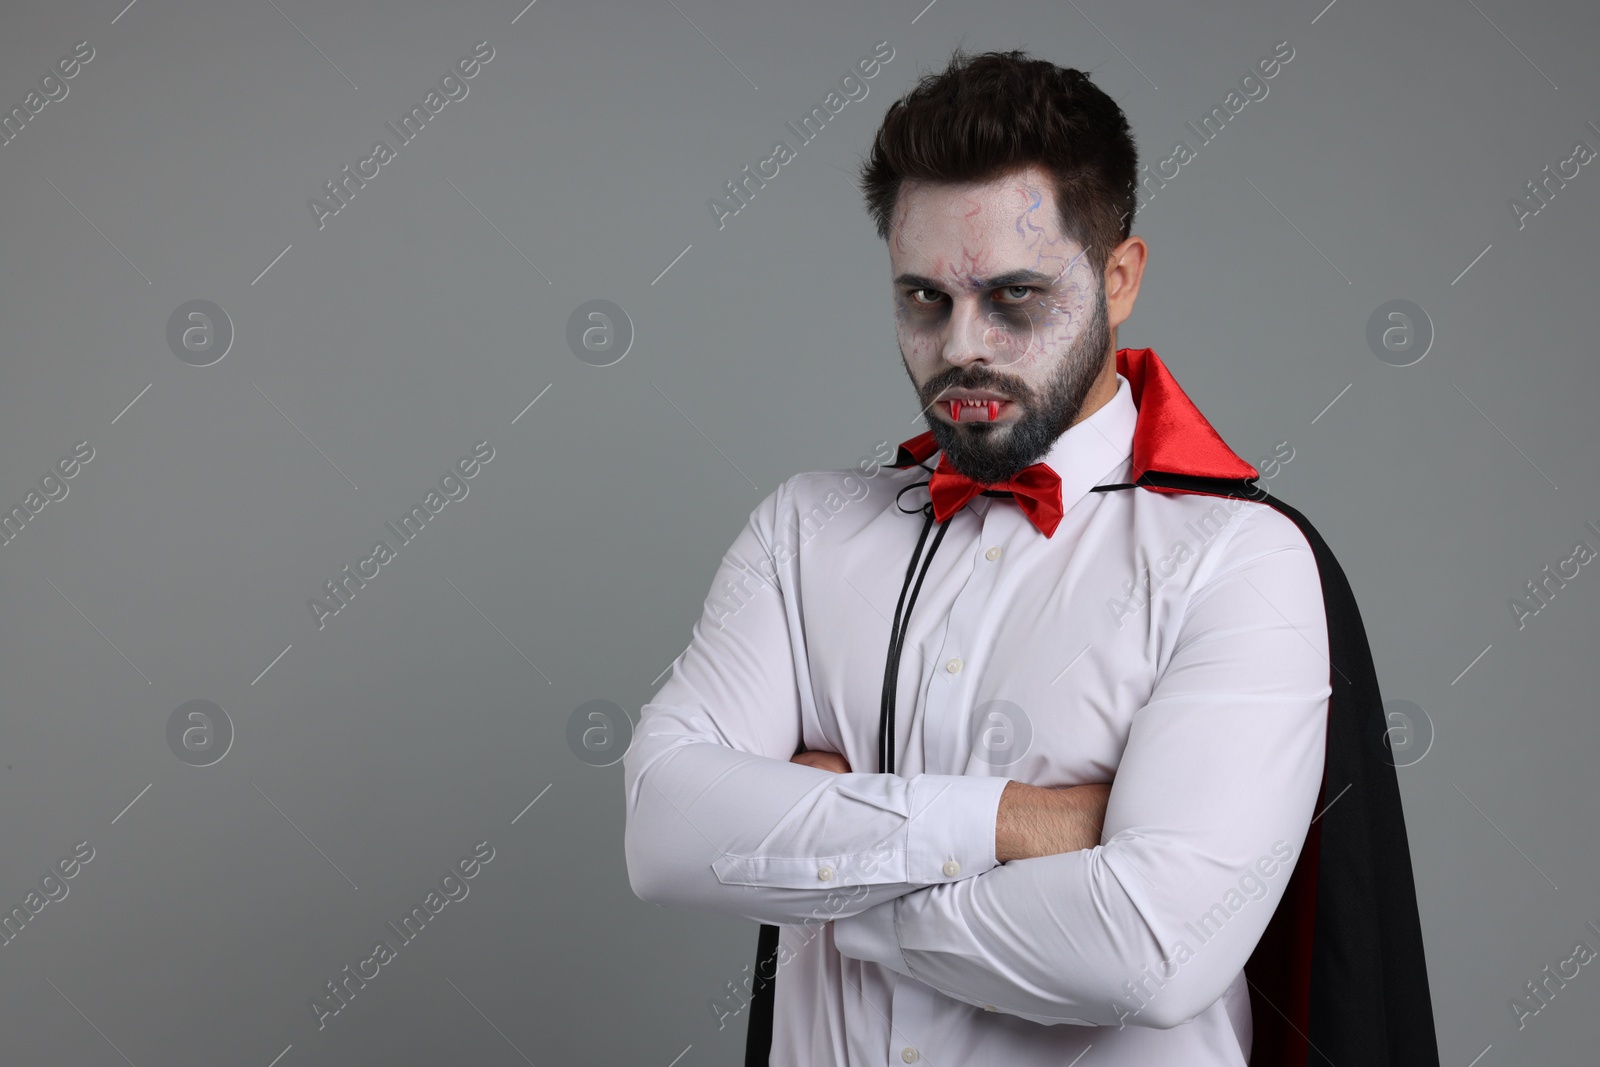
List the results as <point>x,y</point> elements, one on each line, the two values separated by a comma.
<point>999,281</point>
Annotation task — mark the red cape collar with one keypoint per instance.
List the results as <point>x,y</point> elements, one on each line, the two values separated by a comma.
<point>1170,435</point>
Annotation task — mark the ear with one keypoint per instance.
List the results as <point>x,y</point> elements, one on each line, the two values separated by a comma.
<point>1124,271</point>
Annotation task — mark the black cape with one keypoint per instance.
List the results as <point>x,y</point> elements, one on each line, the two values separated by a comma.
<point>1339,977</point>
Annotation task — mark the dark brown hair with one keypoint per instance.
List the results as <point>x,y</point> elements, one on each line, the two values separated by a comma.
<point>996,112</point>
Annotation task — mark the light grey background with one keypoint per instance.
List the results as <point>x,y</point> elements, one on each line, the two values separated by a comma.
<point>431,311</point>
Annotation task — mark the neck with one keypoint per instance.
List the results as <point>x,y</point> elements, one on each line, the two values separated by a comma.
<point>1104,387</point>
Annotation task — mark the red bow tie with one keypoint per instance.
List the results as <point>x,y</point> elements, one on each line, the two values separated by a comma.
<point>1037,490</point>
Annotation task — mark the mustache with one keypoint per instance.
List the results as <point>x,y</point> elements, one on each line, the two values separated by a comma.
<point>939,383</point>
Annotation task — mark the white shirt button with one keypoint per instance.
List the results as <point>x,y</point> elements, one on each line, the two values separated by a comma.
<point>993,553</point>
<point>951,868</point>
<point>825,873</point>
<point>908,1054</point>
<point>954,666</point>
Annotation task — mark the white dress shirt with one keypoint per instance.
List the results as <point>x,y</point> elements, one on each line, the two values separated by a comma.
<point>1173,644</point>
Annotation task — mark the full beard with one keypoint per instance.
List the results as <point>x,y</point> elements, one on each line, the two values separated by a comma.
<point>995,452</point>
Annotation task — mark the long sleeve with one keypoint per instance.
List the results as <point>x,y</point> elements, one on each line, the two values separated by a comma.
<point>1209,806</point>
<point>718,819</point>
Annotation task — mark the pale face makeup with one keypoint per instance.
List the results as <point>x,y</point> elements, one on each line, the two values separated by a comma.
<point>999,315</point>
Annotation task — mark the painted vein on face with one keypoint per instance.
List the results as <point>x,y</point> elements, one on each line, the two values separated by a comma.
<point>1014,328</point>
<point>1066,305</point>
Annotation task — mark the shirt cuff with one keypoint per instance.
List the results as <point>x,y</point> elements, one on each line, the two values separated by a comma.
<point>952,826</point>
<point>869,935</point>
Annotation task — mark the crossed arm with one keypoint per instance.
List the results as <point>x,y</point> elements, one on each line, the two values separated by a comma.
<point>994,892</point>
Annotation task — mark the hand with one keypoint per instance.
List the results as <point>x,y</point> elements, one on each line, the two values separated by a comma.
<point>827,761</point>
<point>1045,821</point>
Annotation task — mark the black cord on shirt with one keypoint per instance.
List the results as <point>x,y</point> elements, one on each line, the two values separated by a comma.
<point>897,630</point>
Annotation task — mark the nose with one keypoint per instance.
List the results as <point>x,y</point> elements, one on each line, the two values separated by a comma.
<point>972,335</point>
<point>977,334</point>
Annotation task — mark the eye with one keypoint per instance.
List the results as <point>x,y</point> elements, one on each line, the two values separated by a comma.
<point>913,293</point>
<point>1022,291</point>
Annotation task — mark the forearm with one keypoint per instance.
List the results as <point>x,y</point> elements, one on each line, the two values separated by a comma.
<point>719,830</point>
<point>1043,821</point>
<point>1081,937</point>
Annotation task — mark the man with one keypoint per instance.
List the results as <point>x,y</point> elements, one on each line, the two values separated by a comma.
<point>1118,688</point>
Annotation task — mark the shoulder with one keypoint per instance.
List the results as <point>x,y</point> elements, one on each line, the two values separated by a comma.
<point>1214,527</point>
<point>1262,528</point>
<point>1229,536</point>
<point>1264,544</point>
